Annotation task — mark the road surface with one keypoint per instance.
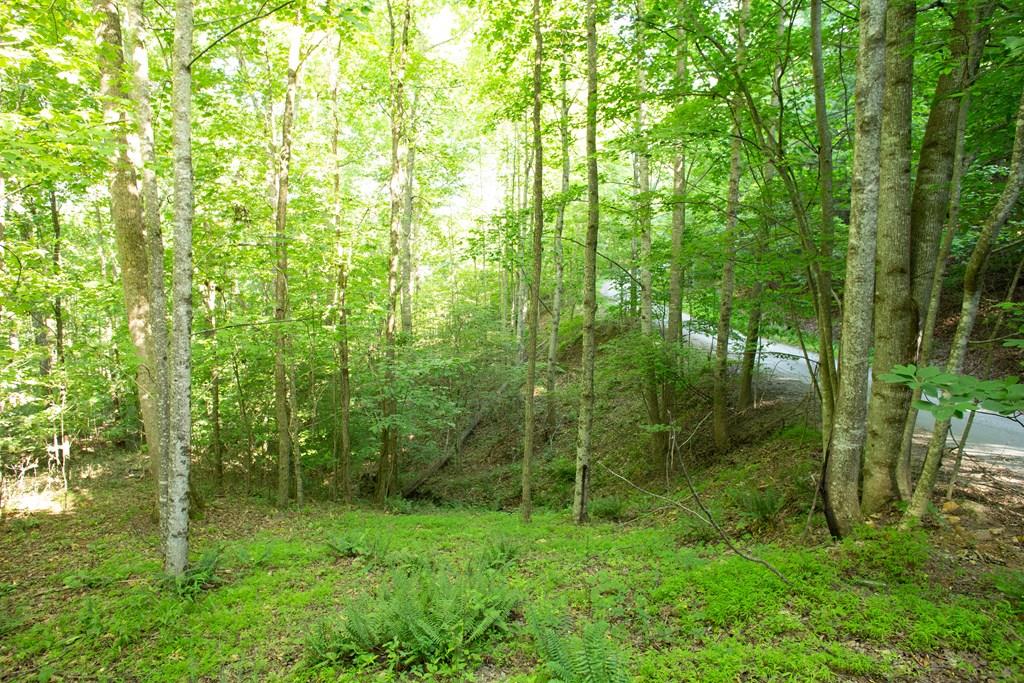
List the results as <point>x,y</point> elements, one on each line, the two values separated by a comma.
<point>993,439</point>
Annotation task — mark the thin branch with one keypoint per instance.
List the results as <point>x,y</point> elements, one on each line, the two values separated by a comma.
<point>725,537</point>
<point>239,26</point>
<point>255,323</point>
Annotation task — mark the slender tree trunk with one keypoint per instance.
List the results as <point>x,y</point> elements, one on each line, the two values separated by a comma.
<point>843,459</point>
<point>137,46</point>
<point>586,419</point>
<point>938,148</point>
<point>726,287</point>
<point>180,375</point>
<point>895,323</point>
<point>751,344</point>
<point>927,328</point>
<point>243,413</point>
<point>973,280</point>
<point>522,286</point>
<point>387,470</point>
<point>407,223</point>
<point>642,176</point>
<point>821,272</point>
<point>674,328</point>
<point>342,468</point>
<point>538,245</point>
<point>216,441</point>
<point>129,228</point>
<point>281,304</point>
<point>58,307</point>
<point>293,436</point>
<point>556,300</point>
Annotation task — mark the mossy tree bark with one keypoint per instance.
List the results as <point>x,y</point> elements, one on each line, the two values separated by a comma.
<point>895,324</point>
<point>973,280</point>
<point>843,458</point>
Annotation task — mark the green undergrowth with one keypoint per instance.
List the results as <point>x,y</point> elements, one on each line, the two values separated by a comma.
<point>454,595</point>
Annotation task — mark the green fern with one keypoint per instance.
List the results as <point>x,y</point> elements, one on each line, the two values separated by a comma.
<point>419,617</point>
<point>588,658</point>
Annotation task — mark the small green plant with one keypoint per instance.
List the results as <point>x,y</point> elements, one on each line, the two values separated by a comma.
<point>399,506</point>
<point>499,553</point>
<point>1011,584</point>
<point>200,576</point>
<point>886,554</point>
<point>375,549</point>
<point>587,658</point>
<point>760,507</point>
<point>693,529</point>
<point>86,579</point>
<point>252,558</point>
<point>562,469</point>
<point>611,508</point>
<point>419,619</point>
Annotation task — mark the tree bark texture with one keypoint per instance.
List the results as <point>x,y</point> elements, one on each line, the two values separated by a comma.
<point>843,458</point>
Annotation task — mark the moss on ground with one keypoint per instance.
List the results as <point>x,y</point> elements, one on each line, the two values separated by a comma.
<point>82,598</point>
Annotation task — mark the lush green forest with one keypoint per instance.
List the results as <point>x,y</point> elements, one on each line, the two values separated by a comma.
<point>576,340</point>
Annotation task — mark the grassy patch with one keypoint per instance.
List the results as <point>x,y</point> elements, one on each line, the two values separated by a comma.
<point>435,594</point>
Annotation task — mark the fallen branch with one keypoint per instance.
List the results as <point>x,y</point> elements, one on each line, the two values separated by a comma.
<point>704,516</point>
<point>440,463</point>
<point>711,520</point>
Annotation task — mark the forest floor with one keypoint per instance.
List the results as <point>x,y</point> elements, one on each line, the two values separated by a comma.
<point>81,596</point>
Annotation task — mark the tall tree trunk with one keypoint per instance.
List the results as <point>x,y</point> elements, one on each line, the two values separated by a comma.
<point>58,306</point>
<point>726,288</point>
<point>129,228</point>
<point>556,300</point>
<point>387,469</point>
<point>40,332</point>
<point>751,344</point>
<point>243,414</point>
<point>407,223</point>
<point>895,316</point>
<point>642,174</point>
<point>821,272</point>
<point>538,245</point>
<point>293,436</point>
<point>522,286</point>
<point>216,441</point>
<point>586,419</point>
<point>342,480</point>
<point>281,304</point>
<point>938,148</point>
<point>978,38</point>
<point>843,458</point>
<point>138,53</point>
<point>674,328</point>
<point>180,374</point>
<point>973,280</point>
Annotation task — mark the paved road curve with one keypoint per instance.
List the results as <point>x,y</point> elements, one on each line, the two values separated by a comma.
<point>994,439</point>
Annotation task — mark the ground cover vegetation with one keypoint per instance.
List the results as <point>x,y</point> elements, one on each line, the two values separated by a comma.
<point>586,340</point>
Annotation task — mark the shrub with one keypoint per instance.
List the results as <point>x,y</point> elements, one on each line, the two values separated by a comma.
<point>610,508</point>
<point>1011,584</point>
<point>694,529</point>
<point>200,576</point>
<point>499,553</point>
<point>562,469</point>
<point>422,618</point>
<point>399,506</point>
<point>587,658</point>
<point>761,508</point>
<point>374,549</point>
